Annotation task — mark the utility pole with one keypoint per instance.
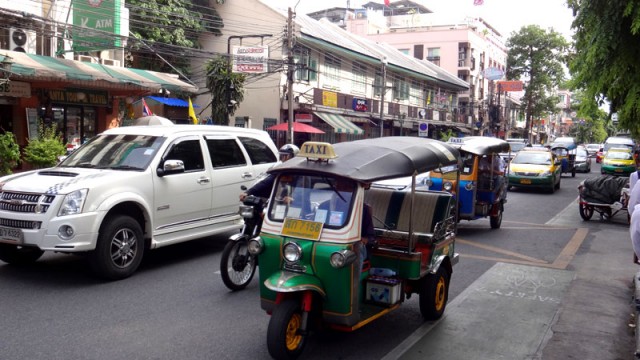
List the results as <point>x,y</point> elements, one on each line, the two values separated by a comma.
<point>382,91</point>
<point>290,69</point>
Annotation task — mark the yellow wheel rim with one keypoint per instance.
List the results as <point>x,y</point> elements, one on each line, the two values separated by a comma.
<point>441,287</point>
<point>292,337</point>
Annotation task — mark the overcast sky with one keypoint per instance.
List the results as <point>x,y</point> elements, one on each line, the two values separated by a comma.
<point>505,16</point>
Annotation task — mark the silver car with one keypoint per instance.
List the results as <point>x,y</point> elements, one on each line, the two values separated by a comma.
<point>583,161</point>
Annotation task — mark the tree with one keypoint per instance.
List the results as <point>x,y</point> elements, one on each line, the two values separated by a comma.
<point>536,56</point>
<point>168,27</point>
<point>227,89</point>
<point>594,120</point>
<point>605,63</point>
<point>9,153</point>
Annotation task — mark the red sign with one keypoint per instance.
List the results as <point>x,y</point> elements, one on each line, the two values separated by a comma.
<point>509,86</point>
<point>305,118</point>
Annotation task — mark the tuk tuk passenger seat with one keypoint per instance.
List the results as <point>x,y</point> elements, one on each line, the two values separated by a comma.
<point>390,212</point>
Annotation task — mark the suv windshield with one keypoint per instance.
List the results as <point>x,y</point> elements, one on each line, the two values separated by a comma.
<point>123,152</point>
<point>517,146</point>
<point>315,198</point>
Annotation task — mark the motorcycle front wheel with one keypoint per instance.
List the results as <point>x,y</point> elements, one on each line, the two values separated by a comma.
<point>237,266</point>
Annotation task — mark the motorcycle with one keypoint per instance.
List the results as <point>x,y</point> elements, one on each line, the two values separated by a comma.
<point>237,265</point>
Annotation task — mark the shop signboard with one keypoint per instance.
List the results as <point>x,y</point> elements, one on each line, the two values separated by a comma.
<point>250,59</point>
<point>98,24</point>
<point>15,89</point>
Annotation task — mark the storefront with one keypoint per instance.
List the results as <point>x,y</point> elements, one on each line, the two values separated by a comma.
<point>81,99</point>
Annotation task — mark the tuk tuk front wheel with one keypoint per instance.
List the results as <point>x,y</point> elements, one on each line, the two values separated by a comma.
<point>434,294</point>
<point>285,339</point>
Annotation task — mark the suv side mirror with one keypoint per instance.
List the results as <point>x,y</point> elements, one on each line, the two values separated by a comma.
<point>170,167</point>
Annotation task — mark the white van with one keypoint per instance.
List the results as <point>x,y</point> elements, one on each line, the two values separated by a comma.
<point>131,189</point>
<point>619,142</point>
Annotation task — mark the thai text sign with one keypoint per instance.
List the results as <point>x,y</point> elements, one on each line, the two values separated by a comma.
<point>360,105</point>
<point>98,24</point>
<point>250,59</point>
<point>329,99</point>
<point>509,86</point>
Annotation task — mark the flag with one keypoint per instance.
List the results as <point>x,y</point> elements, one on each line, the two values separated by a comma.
<point>478,2</point>
<point>145,109</point>
<point>386,2</point>
<point>192,113</point>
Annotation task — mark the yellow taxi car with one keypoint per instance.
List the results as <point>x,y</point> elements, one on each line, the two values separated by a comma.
<point>618,161</point>
<point>535,168</point>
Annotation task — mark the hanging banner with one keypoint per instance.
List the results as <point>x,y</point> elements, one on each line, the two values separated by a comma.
<point>510,86</point>
<point>250,59</point>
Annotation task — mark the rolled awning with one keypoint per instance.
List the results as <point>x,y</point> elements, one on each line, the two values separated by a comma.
<point>339,123</point>
<point>31,67</point>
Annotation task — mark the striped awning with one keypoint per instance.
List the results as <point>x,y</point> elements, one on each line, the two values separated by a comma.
<point>30,67</point>
<point>339,123</point>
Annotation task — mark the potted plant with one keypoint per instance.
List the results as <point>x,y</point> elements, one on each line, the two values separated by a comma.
<point>44,151</point>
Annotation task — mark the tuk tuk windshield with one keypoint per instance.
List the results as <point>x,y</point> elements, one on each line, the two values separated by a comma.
<point>316,198</point>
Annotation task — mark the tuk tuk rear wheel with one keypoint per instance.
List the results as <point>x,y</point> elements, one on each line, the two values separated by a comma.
<point>434,294</point>
<point>496,220</point>
<point>285,339</point>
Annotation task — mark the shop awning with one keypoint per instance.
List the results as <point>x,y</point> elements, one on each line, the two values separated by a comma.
<point>172,101</point>
<point>339,123</point>
<point>45,68</point>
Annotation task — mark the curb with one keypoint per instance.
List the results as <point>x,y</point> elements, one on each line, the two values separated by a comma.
<point>636,305</point>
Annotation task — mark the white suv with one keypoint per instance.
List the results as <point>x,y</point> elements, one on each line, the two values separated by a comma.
<point>130,189</point>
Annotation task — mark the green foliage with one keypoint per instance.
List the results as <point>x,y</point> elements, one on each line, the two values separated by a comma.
<point>446,135</point>
<point>44,151</point>
<point>224,86</point>
<point>169,26</point>
<point>536,56</point>
<point>9,153</point>
<point>605,63</point>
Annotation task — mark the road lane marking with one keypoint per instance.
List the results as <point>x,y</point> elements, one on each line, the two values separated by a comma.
<point>561,261</point>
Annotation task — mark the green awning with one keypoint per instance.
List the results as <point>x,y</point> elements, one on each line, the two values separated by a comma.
<point>44,68</point>
<point>339,123</point>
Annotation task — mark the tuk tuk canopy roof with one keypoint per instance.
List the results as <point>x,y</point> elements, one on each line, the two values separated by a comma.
<point>482,145</point>
<point>376,159</point>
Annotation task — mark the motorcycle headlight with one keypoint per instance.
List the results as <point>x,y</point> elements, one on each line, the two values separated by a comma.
<point>246,211</point>
<point>447,186</point>
<point>72,203</point>
<point>255,246</point>
<point>292,252</point>
<point>342,258</point>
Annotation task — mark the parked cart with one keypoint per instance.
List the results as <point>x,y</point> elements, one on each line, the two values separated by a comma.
<point>606,195</point>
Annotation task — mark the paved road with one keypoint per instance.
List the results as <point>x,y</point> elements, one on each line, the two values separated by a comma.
<point>177,307</point>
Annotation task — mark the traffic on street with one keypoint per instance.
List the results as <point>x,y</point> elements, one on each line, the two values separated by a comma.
<point>177,306</point>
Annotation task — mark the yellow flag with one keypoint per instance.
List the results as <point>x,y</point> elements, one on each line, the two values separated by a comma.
<point>192,113</point>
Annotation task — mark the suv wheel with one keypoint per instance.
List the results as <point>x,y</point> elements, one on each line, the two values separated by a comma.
<point>119,249</point>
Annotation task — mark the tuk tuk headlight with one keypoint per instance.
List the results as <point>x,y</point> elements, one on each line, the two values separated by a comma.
<point>292,252</point>
<point>447,186</point>
<point>428,182</point>
<point>469,186</point>
<point>342,258</point>
<point>255,246</point>
<point>246,211</point>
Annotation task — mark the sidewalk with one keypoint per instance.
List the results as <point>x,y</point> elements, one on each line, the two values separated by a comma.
<point>525,312</point>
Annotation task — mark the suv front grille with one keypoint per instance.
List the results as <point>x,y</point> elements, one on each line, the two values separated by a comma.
<point>20,224</point>
<point>25,202</point>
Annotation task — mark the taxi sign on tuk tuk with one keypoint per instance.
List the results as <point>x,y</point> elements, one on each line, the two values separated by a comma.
<point>317,150</point>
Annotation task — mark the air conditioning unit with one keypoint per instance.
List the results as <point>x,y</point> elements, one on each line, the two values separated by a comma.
<point>84,58</point>
<point>110,62</point>
<point>22,40</point>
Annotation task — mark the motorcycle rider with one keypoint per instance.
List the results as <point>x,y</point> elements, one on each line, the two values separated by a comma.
<point>263,187</point>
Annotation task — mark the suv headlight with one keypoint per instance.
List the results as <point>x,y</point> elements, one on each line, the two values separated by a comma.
<point>73,203</point>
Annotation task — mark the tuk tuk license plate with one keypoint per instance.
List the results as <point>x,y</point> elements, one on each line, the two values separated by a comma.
<point>525,181</point>
<point>303,229</point>
<point>11,234</point>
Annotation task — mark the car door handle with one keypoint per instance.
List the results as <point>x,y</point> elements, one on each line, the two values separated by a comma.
<point>247,175</point>
<point>203,180</point>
